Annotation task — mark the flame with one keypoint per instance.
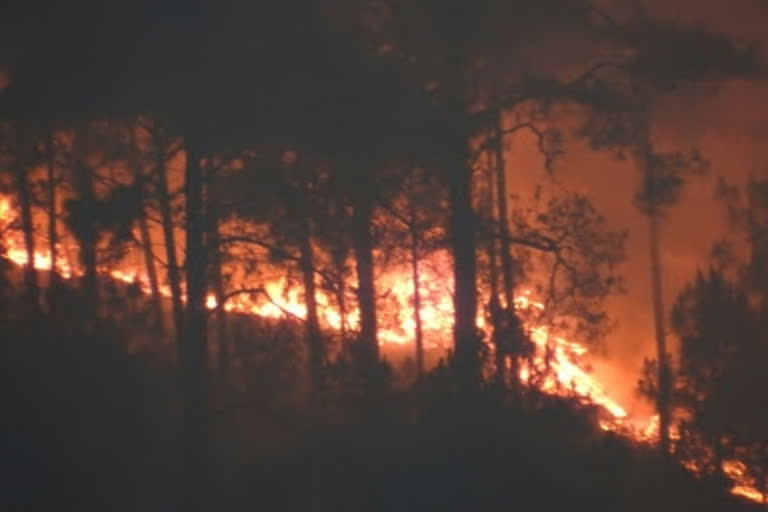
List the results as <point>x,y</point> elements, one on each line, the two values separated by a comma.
<point>562,357</point>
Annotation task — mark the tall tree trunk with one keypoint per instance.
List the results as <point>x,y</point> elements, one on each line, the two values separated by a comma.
<point>507,265</point>
<point>312,325</point>
<point>456,128</point>
<point>172,262</point>
<point>652,190</point>
<point>663,396</point>
<point>419,334</point>
<point>464,272</point>
<point>366,291</point>
<point>53,236</point>
<point>222,332</point>
<point>462,231</point>
<point>88,236</point>
<point>149,262</point>
<point>341,300</point>
<point>194,353</point>
<point>149,257</point>
<point>339,255</point>
<point>144,233</point>
<point>23,150</point>
<point>493,276</point>
<point>222,327</point>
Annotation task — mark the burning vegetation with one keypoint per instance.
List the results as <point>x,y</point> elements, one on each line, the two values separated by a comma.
<point>324,255</point>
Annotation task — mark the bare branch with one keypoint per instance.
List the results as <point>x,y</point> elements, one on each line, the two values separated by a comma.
<point>279,251</point>
<point>258,291</point>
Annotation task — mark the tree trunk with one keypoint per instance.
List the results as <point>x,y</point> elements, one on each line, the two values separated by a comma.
<point>53,236</point>
<point>222,328</point>
<point>145,235</point>
<point>194,353</point>
<point>464,272</point>
<point>23,145</point>
<point>88,236</point>
<point>166,212</point>
<point>507,265</point>
<point>149,263</point>
<point>339,255</point>
<point>663,397</point>
<point>462,238</point>
<point>651,193</point>
<point>222,333</point>
<point>419,334</point>
<point>493,275</point>
<point>456,128</point>
<point>312,325</point>
<point>366,290</point>
<point>341,300</point>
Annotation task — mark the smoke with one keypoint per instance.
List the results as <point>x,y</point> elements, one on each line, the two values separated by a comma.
<point>728,124</point>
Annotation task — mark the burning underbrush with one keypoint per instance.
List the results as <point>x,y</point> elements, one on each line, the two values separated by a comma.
<point>265,311</point>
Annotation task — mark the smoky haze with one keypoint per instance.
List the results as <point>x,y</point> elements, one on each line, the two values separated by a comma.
<point>727,123</point>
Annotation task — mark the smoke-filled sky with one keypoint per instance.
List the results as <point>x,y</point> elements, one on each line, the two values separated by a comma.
<point>730,128</point>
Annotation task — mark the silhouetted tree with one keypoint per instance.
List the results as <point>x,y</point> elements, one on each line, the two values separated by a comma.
<point>418,211</point>
<point>721,367</point>
<point>163,148</point>
<point>216,256</point>
<point>81,216</point>
<point>51,201</point>
<point>665,57</point>
<point>140,192</point>
<point>22,153</point>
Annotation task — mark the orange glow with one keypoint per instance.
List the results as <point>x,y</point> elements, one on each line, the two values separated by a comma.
<point>560,361</point>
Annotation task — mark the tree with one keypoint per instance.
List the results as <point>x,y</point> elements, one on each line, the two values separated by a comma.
<point>162,149</point>
<point>216,257</point>
<point>741,255</point>
<point>21,155</point>
<point>52,182</point>
<point>280,192</point>
<point>664,58</point>
<point>721,370</point>
<point>137,168</point>
<point>418,211</point>
<point>456,40</point>
<point>194,350</point>
<point>301,206</point>
<point>81,215</point>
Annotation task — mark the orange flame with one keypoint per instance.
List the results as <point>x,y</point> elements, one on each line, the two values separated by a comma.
<point>566,376</point>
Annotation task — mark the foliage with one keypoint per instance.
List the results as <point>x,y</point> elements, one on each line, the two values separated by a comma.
<point>572,259</point>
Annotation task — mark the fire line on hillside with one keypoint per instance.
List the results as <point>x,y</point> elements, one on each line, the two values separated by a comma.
<point>563,358</point>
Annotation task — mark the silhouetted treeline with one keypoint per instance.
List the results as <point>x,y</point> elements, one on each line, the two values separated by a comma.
<point>221,149</point>
<point>719,374</point>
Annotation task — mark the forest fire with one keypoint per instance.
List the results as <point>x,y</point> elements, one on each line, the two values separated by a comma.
<point>338,255</point>
<point>557,362</point>
<point>567,376</point>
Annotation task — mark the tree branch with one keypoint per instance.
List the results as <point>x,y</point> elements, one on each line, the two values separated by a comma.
<point>258,291</point>
<point>275,249</point>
